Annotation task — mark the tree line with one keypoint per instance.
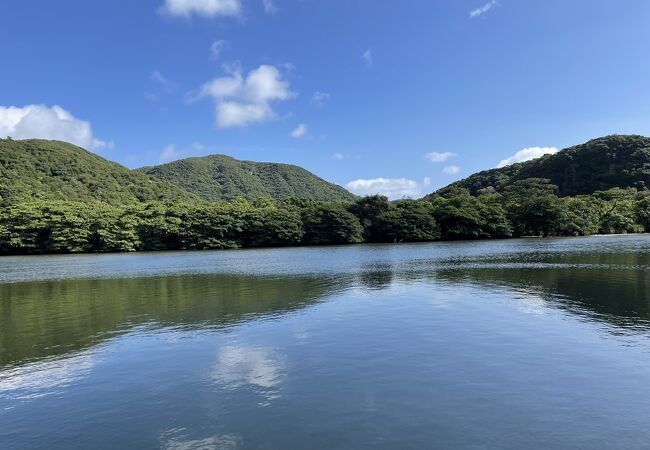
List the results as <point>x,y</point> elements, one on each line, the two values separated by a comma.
<point>527,208</point>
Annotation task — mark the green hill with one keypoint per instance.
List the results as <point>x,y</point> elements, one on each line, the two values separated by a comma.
<point>54,170</point>
<point>220,177</point>
<point>600,164</point>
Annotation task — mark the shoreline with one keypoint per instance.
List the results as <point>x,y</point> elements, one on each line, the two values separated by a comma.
<point>273,247</point>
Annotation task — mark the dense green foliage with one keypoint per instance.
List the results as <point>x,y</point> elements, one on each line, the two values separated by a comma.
<point>52,170</point>
<point>598,165</point>
<point>220,177</point>
<point>60,198</point>
<point>60,226</point>
<point>527,208</point>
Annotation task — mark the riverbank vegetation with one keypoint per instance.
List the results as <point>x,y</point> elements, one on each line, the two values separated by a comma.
<point>58,198</point>
<point>528,207</point>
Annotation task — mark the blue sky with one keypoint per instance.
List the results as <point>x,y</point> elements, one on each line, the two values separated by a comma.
<point>398,97</point>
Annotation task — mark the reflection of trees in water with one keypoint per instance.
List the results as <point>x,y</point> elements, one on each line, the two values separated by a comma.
<point>376,275</point>
<point>53,318</point>
<point>610,286</point>
<point>615,295</point>
<point>44,319</point>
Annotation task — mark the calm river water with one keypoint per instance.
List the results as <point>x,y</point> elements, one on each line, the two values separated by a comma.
<point>517,344</point>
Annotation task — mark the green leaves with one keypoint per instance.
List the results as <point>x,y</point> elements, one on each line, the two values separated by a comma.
<point>597,165</point>
<point>38,169</point>
<point>331,223</point>
<point>407,221</point>
<point>528,208</point>
<point>220,177</point>
<point>272,226</point>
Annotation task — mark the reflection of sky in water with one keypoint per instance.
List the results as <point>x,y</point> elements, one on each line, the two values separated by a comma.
<point>218,442</point>
<point>239,366</point>
<point>532,304</point>
<point>394,347</point>
<point>44,377</point>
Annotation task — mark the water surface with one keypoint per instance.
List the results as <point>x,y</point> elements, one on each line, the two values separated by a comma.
<point>532,343</point>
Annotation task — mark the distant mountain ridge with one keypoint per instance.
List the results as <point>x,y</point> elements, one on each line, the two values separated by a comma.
<point>40,169</point>
<point>221,177</point>
<point>599,164</point>
<point>54,170</point>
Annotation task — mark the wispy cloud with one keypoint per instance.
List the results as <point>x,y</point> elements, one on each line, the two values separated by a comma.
<point>338,156</point>
<point>527,154</point>
<point>169,153</point>
<point>483,9</point>
<point>159,78</point>
<point>437,157</point>
<point>203,8</point>
<point>269,6</point>
<point>216,48</point>
<point>367,57</point>
<point>299,131</point>
<point>318,98</point>
<point>172,153</point>
<point>451,170</point>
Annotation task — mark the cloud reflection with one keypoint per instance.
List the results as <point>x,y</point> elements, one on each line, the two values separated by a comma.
<point>242,365</point>
<point>219,442</point>
<point>44,377</point>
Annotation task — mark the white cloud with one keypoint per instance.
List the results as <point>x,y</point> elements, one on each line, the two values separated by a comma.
<point>439,157</point>
<point>338,156</point>
<point>299,131</point>
<point>216,48</point>
<point>318,98</point>
<point>426,181</point>
<point>451,170</point>
<point>483,9</point>
<point>204,8</point>
<point>43,122</point>
<point>390,187</point>
<point>527,154</point>
<point>233,114</point>
<point>241,101</point>
<point>367,57</point>
<point>269,7</point>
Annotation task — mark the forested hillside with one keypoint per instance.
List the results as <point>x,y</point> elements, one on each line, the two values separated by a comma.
<point>600,164</point>
<point>60,198</point>
<point>53,170</point>
<point>220,177</point>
